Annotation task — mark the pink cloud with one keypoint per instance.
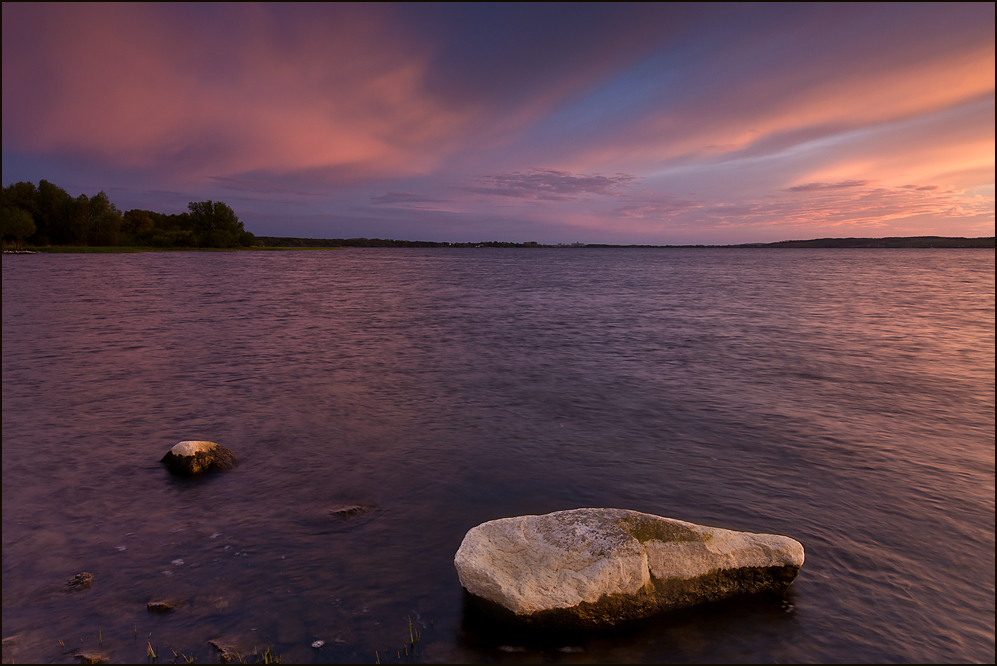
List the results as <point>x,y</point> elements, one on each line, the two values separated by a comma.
<point>140,86</point>
<point>842,211</point>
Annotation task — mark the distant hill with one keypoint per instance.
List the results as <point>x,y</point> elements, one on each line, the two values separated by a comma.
<point>895,242</point>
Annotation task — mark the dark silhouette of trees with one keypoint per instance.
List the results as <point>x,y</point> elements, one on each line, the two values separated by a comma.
<point>23,196</point>
<point>215,224</point>
<point>53,205</point>
<point>60,219</point>
<point>103,220</point>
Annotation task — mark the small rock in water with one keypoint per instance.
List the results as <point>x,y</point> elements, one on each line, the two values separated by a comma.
<point>159,607</point>
<point>511,648</point>
<point>80,581</point>
<point>317,644</point>
<point>90,658</point>
<point>600,567</point>
<point>193,458</point>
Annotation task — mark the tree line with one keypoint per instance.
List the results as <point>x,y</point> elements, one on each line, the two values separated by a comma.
<point>48,215</point>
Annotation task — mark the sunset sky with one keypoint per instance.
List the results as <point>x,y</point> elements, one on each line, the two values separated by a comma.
<point>554,123</point>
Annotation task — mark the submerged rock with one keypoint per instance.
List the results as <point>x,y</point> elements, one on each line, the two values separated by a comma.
<point>192,458</point>
<point>90,657</point>
<point>226,651</point>
<point>599,567</point>
<point>347,511</point>
<point>159,607</point>
<point>80,581</point>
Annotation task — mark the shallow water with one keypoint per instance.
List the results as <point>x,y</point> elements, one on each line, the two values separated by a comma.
<point>841,397</point>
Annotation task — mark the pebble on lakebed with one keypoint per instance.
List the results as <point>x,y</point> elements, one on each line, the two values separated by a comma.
<point>80,581</point>
<point>193,458</point>
<point>600,567</point>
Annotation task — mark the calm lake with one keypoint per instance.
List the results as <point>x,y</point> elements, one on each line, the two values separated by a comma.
<point>844,398</point>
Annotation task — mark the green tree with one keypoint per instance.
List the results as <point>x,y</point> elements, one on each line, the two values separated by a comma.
<point>79,220</point>
<point>17,222</point>
<point>21,195</point>
<point>104,220</point>
<point>53,214</point>
<point>214,224</point>
<point>137,227</point>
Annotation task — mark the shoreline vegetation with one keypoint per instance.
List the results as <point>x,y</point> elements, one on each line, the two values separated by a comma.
<point>273,242</point>
<point>45,218</point>
<point>277,243</point>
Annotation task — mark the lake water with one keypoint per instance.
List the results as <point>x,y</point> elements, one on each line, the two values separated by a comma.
<point>844,398</point>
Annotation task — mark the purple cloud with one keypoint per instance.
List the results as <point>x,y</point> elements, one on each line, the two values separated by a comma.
<point>651,205</point>
<point>258,186</point>
<point>402,197</point>
<point>551,185</point>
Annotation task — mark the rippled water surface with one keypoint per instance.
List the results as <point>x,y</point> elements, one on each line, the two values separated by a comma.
<point>841,397</point>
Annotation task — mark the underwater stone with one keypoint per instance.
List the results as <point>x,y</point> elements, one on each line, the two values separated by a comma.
<point>347,511</point>
<point>600,567</point>
<point>80,581</point>
<point>192,458</point>
<point>226,651</point>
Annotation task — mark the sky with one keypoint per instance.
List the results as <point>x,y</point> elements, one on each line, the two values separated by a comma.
<point>594,123</point>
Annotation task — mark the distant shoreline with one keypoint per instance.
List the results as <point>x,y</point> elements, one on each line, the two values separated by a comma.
<point>269,243</point>
<point>890,242</point>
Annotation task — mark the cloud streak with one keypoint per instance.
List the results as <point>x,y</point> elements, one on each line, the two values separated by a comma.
<point>402,198</point>
<point>857,208</point>
<point>550,185</point>
<point>814,187</point>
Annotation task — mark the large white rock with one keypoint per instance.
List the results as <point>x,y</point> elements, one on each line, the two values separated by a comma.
<point>597,567</point>
<point>191,458</point>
